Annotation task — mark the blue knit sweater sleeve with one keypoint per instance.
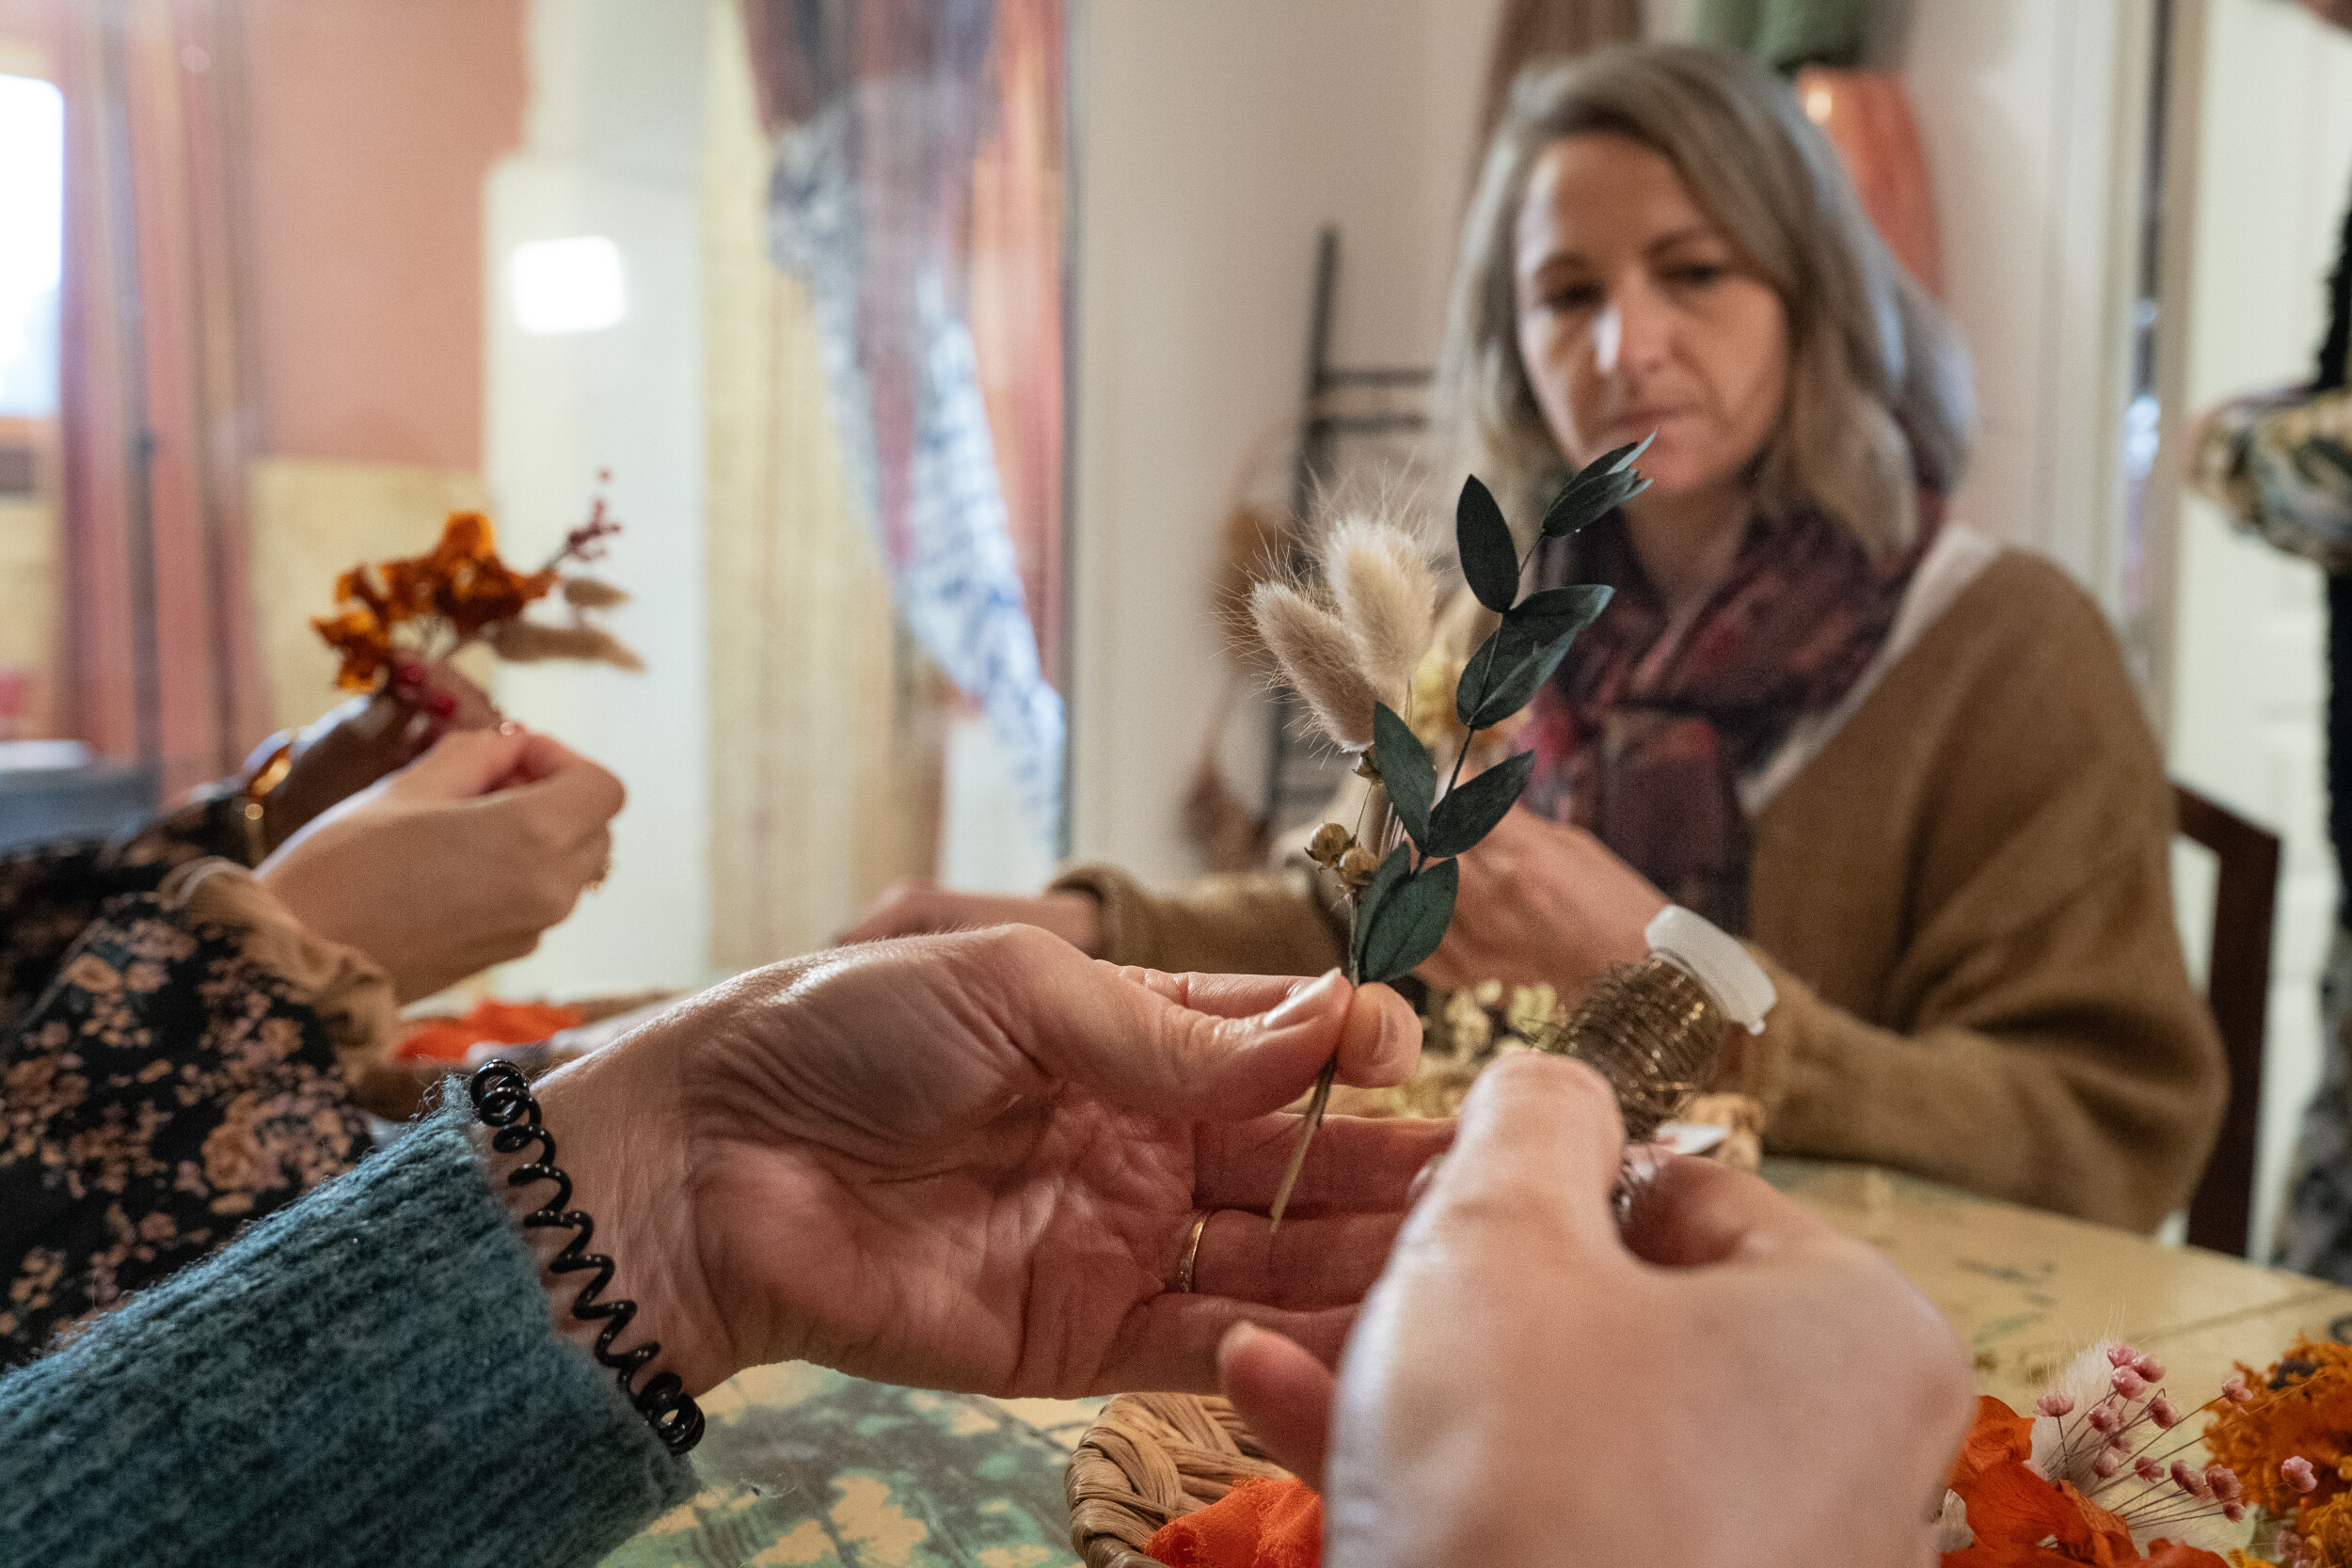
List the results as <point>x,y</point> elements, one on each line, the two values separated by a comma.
<point>369,1376</point>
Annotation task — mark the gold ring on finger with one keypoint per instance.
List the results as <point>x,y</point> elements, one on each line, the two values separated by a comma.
<point>1192,1253</point>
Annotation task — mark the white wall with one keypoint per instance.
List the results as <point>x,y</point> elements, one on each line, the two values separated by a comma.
<point>613,148</point>
<point>2275,167</point>
<point>1216,137</point>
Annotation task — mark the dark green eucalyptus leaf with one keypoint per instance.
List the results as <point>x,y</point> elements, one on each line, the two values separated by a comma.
<point>1374,897</point>
<point>1471,810</point>
<point>1588,497</point>
<point>1557,612</point>
<point>1607,482</point>
<point>1625,457</point>
<point>1509,670</point>
<point>1407,771</point>
<point>1409,923</point>
<point>1491,561</point>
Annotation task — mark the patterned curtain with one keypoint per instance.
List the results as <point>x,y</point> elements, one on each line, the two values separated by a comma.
<point>160,656</point>
<point>879,110</point>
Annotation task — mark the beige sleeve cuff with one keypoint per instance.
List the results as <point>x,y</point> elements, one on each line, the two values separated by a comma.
<point>342,984</point>
<point>1249,923</point>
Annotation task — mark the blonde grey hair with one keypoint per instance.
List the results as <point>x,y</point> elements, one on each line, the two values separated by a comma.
<point>1878,403</point>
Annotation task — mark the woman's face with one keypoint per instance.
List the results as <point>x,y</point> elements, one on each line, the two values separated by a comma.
<point>1636,314</point>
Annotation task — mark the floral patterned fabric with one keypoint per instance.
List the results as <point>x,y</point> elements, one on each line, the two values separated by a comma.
<point>159,1087</point>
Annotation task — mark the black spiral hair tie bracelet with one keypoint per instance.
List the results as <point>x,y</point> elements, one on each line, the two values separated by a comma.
<point>502,1100</point>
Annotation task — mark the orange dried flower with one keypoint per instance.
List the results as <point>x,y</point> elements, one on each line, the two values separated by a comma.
<point>365,642</point>
<point>2302,1406</point>
<point>461,580</point>
<point>2022,1520</point>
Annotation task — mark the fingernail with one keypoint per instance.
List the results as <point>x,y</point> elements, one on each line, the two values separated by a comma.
<point>509,726</point>
<point>1235,1338</point>
<point>408,675</point>
<point>1422,1179</point>
<point>441,705</point>
<point>1306,1000</point>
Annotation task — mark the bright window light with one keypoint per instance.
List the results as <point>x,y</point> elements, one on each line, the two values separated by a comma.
<point>32,231</point>
<point>567,285</point>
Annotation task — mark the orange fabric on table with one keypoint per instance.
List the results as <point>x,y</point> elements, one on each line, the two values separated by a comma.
<point>1263,1522</point>
<point>448,1039</point>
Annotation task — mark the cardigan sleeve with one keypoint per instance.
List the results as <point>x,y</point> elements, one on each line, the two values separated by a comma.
<point>186,1070</point>
<point>2028,1029</point>
<point>1235,923</point>
<point>371,1375</point>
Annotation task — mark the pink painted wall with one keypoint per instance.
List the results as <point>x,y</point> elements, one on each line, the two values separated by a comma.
<point>373,123</point>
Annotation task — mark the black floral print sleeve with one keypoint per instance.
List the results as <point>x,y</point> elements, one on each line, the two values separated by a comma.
<point>160,1089</point>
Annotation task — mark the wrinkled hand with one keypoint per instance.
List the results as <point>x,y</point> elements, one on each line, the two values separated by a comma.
<point>457,861</point>
<point>972,1162</point>
<point>1543,901</point>
<point>363,739</point>
<point>1765,1391</point>
<point>916,905</point>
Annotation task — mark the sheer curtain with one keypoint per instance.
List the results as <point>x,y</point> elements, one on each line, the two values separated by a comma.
<point>881,113</point>
<point>160,659</point>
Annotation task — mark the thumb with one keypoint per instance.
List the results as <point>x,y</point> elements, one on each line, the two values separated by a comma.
<point>1281,1393</point>
<point>460,766</point>
<point>1162,1048</point>
<point>1540,1143</point>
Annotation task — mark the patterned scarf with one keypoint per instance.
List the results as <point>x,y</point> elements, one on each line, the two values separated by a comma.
<point>1643,737</point>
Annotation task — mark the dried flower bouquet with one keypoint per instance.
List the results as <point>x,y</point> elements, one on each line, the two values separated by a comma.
<point>1354,653</point>
<point>425,607</point>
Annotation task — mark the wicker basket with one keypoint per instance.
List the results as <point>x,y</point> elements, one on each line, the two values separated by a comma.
<point>1149,1458</point>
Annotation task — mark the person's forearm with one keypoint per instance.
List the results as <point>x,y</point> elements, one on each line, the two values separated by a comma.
<point>369,1376</point>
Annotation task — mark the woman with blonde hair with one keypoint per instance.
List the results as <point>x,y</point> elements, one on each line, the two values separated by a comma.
<point>1907,765</point>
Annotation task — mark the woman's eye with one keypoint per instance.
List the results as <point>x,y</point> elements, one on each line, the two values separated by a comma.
<point>1697,275</point>
<point>1571,297</point>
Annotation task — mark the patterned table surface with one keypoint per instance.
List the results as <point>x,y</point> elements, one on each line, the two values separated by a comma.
<point>807,1468</point>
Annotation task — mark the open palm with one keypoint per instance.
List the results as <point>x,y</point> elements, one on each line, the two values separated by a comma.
<point>974,1161</point>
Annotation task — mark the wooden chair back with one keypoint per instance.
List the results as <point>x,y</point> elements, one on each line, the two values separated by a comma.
<point>2237,991</point>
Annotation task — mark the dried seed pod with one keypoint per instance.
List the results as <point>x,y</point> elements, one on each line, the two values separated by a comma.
<point>1330,842</point>
<point>1357,867</point>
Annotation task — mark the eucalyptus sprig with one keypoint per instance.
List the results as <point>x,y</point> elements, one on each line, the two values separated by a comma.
<point>1404,903</point>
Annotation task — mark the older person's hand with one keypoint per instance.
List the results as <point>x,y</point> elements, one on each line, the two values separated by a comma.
<point>974,1163</point>
<point>1543,901</point>
<point>456,861</point>
<point>1728,1382</point>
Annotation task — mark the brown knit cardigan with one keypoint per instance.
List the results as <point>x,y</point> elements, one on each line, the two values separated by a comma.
<point>1964,899</point>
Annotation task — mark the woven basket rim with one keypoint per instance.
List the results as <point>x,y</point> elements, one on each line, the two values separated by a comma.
<point>1149,1458</point>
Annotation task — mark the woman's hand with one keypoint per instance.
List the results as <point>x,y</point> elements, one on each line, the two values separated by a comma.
<point>916,905</point>
<point>1769,1391</point>
<point>363,739</point>
<point>1543,901</point>
<point>457,861</point>
<point>974,1162</point>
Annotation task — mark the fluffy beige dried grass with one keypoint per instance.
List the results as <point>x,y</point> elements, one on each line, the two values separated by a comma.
<point>528,642</point>
<point>1319,659</point>
<point>1387,598</point>
<point>592,594</point>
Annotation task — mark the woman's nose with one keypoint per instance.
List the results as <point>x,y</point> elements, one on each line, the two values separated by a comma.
<point>1632,330</point>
